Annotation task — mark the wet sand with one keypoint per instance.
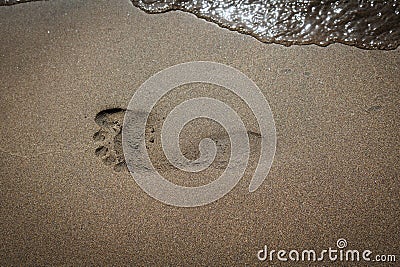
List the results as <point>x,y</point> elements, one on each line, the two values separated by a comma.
<point>335,173</point>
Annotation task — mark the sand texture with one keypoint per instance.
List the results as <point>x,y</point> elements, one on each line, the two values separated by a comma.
<point>68,71</point>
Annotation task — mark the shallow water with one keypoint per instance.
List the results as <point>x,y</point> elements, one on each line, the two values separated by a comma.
<point>13,2</point>
<point>368,24</point>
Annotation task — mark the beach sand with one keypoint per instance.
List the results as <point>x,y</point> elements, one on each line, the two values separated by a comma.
<point>335,173</point>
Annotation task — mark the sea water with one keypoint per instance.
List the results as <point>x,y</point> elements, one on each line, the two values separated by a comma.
<point>368,24</point>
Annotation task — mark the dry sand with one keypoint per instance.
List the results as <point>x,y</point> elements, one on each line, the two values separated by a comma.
<point>335,174</point>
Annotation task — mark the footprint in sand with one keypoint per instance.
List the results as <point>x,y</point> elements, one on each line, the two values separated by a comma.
<point>110,151</point>
<point>109,138</point>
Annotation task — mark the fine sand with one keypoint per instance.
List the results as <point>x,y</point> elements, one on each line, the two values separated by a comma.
<point>65,201</point>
